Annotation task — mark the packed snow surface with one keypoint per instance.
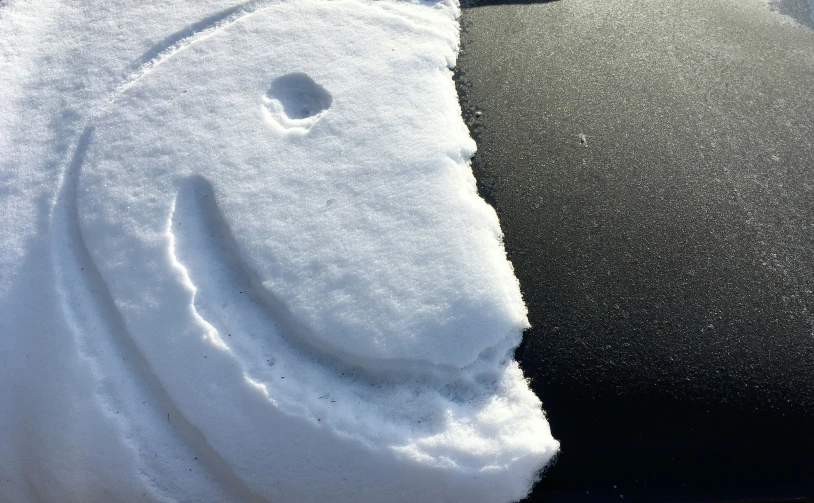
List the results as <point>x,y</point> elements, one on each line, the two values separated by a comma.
<point>800,11</point>
<point>244,259</point>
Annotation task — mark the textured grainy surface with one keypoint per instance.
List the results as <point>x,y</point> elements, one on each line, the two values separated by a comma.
<point>651,164</point>
<point>144,355</point>
<point>801,11</point>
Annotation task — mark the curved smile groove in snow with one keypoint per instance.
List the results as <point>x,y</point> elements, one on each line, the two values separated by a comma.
<point>104,340</point>
<point>262,333</point>
<point>227,288</point>
<point>299,305</point>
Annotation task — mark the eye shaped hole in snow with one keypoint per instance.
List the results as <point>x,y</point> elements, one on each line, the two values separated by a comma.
<point>299,95</point>
<point>295,102</point>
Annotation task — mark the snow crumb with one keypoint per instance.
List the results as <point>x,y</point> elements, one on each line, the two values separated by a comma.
<point>244,259</point>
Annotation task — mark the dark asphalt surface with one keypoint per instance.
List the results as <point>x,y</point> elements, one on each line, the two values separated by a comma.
<point>652,164</point>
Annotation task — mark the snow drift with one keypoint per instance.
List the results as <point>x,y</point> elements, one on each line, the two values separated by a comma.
<point>268,256</point>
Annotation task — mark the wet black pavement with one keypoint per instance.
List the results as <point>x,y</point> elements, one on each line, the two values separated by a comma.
<point>652,164</point>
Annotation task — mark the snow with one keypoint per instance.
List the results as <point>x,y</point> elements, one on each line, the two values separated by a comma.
<point>244,259</point>
<point>800,12</point>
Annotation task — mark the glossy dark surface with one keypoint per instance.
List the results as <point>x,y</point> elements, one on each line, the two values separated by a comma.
<point>652,164</point>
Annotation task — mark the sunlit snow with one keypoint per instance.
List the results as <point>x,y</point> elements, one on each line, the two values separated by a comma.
<point>244,259</point>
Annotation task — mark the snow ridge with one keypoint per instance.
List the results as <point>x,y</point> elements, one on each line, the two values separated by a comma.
<point>339,334</point>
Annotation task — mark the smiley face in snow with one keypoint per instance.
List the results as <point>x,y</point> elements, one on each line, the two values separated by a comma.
<point>277,225</point>
<point>350,204</point>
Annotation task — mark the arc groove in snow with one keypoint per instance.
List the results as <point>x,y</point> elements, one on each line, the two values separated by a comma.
<point>70,275</point>
<point>184,38</point>
<point>76,272</point>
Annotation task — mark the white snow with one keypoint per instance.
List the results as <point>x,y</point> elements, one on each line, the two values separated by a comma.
<point>244,259</point>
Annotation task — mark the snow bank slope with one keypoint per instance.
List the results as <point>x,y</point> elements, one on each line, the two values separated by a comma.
<point>272,258</point>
